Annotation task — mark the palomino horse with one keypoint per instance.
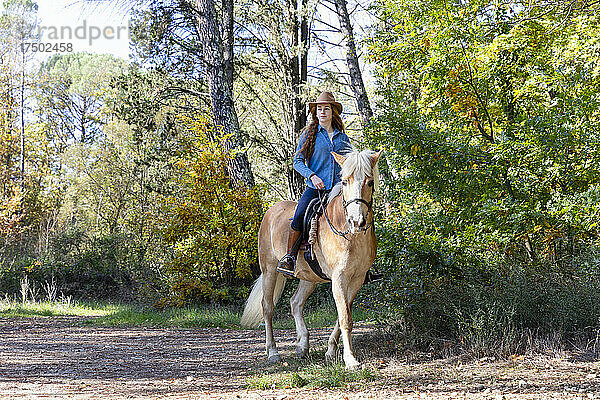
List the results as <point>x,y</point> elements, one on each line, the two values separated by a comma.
<point>345,248</point>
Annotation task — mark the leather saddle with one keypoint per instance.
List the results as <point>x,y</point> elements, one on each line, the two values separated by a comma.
<point>315,210</point>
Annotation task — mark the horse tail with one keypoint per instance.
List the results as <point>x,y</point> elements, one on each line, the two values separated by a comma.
<point>253,312</point>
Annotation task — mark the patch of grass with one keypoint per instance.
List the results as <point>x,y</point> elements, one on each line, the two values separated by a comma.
<point>276,381</point>
<point>114,315</point>
<point>210,317</point>
<point>13,309</point>
<point>66,307</point>
<point>336,375</point>
<point>316,318</point>
<point>107,314</point>
<point>313,376</point>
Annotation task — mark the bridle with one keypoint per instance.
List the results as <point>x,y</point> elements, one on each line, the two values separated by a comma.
<point>345,204</point>
<point>369,204</point>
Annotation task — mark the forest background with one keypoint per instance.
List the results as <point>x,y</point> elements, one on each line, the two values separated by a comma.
<point>146,180</point>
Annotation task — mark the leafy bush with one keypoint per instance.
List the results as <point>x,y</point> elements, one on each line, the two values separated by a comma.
<point>99,268</point>
<point>211,225</point>
<point>433,291</point>
<point>491,133</point>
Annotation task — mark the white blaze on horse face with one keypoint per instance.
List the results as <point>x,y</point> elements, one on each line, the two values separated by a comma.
<point>358,176</point>
<point>356,212</point>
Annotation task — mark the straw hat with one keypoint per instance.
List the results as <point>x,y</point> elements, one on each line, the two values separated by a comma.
<point>326,98</point>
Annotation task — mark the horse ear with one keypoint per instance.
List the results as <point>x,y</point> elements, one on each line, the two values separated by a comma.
<point>375,157</point>
<point>338,157</point>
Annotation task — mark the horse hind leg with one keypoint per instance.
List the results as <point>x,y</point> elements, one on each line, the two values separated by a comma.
<point>332,343</point>
<point>297,302</point>
<point>273,284</point>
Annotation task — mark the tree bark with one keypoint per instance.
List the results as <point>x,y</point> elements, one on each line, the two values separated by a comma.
<point>297,66</point>
<point>358,87</point>
<point>22,158</point>
<point>221,94</point>
<point>228,39</point>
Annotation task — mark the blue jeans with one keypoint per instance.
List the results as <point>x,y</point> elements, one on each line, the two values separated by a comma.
<point>306,197</point>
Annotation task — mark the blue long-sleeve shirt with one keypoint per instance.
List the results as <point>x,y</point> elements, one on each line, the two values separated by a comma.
<point>322,162</point>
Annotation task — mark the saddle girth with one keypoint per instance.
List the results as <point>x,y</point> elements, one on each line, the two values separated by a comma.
<point>310,228</point>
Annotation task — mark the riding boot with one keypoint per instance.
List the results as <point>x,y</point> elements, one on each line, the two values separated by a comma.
<point>372,276</point>
<point>287,264</point>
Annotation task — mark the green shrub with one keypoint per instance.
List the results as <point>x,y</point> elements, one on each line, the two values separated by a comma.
<point>211,226</point>
<point>100,268</point>
<point>492,170</point>
<point>482,304</point>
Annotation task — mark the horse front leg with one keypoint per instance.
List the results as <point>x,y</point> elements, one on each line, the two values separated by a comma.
<point>334,338</point>
<point>297,305</point>
<point>344,292</point>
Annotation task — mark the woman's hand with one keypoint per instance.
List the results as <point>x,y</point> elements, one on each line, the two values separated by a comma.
<point>317,182</point>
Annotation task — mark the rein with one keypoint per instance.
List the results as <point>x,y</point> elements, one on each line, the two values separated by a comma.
<point>345,204</point>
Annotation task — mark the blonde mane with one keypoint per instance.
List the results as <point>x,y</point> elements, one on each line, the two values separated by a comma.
<point>359,164</point>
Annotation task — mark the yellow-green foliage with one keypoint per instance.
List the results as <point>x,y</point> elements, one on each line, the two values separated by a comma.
<point>11,211</point>
<point>211,224</point>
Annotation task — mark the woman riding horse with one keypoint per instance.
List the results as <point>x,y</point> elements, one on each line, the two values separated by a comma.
<point>345,245</point>
<point>313,160</point>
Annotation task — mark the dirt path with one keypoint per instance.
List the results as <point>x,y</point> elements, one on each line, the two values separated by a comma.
<point>58,358</point>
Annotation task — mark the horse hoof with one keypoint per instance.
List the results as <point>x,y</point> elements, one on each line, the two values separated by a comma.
<point>353,366</point>
<point>301,353</point>
<point>274,359</point>
<point>330,357</point>
<point>333,355</point>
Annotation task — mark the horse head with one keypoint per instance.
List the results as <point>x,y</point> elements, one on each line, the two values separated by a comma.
<point>359,180</point>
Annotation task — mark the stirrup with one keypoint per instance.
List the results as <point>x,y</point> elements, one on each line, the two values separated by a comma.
<point>286,265</point>
<point>372,277</point>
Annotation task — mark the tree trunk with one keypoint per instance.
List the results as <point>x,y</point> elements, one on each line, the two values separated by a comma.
<point>298,70</point>
<point>357,84</point>
<point>22,158</point>
<point>228,39</point>
<point>221,94</point>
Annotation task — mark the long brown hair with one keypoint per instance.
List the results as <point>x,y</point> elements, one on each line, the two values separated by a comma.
<point>311,130</point>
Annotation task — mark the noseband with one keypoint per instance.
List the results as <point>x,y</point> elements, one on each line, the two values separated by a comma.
<point>345,204</point>
<point>369,204</point>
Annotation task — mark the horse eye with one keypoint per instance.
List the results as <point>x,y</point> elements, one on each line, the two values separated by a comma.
<point>370,183</point>
<point>344,183</point>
